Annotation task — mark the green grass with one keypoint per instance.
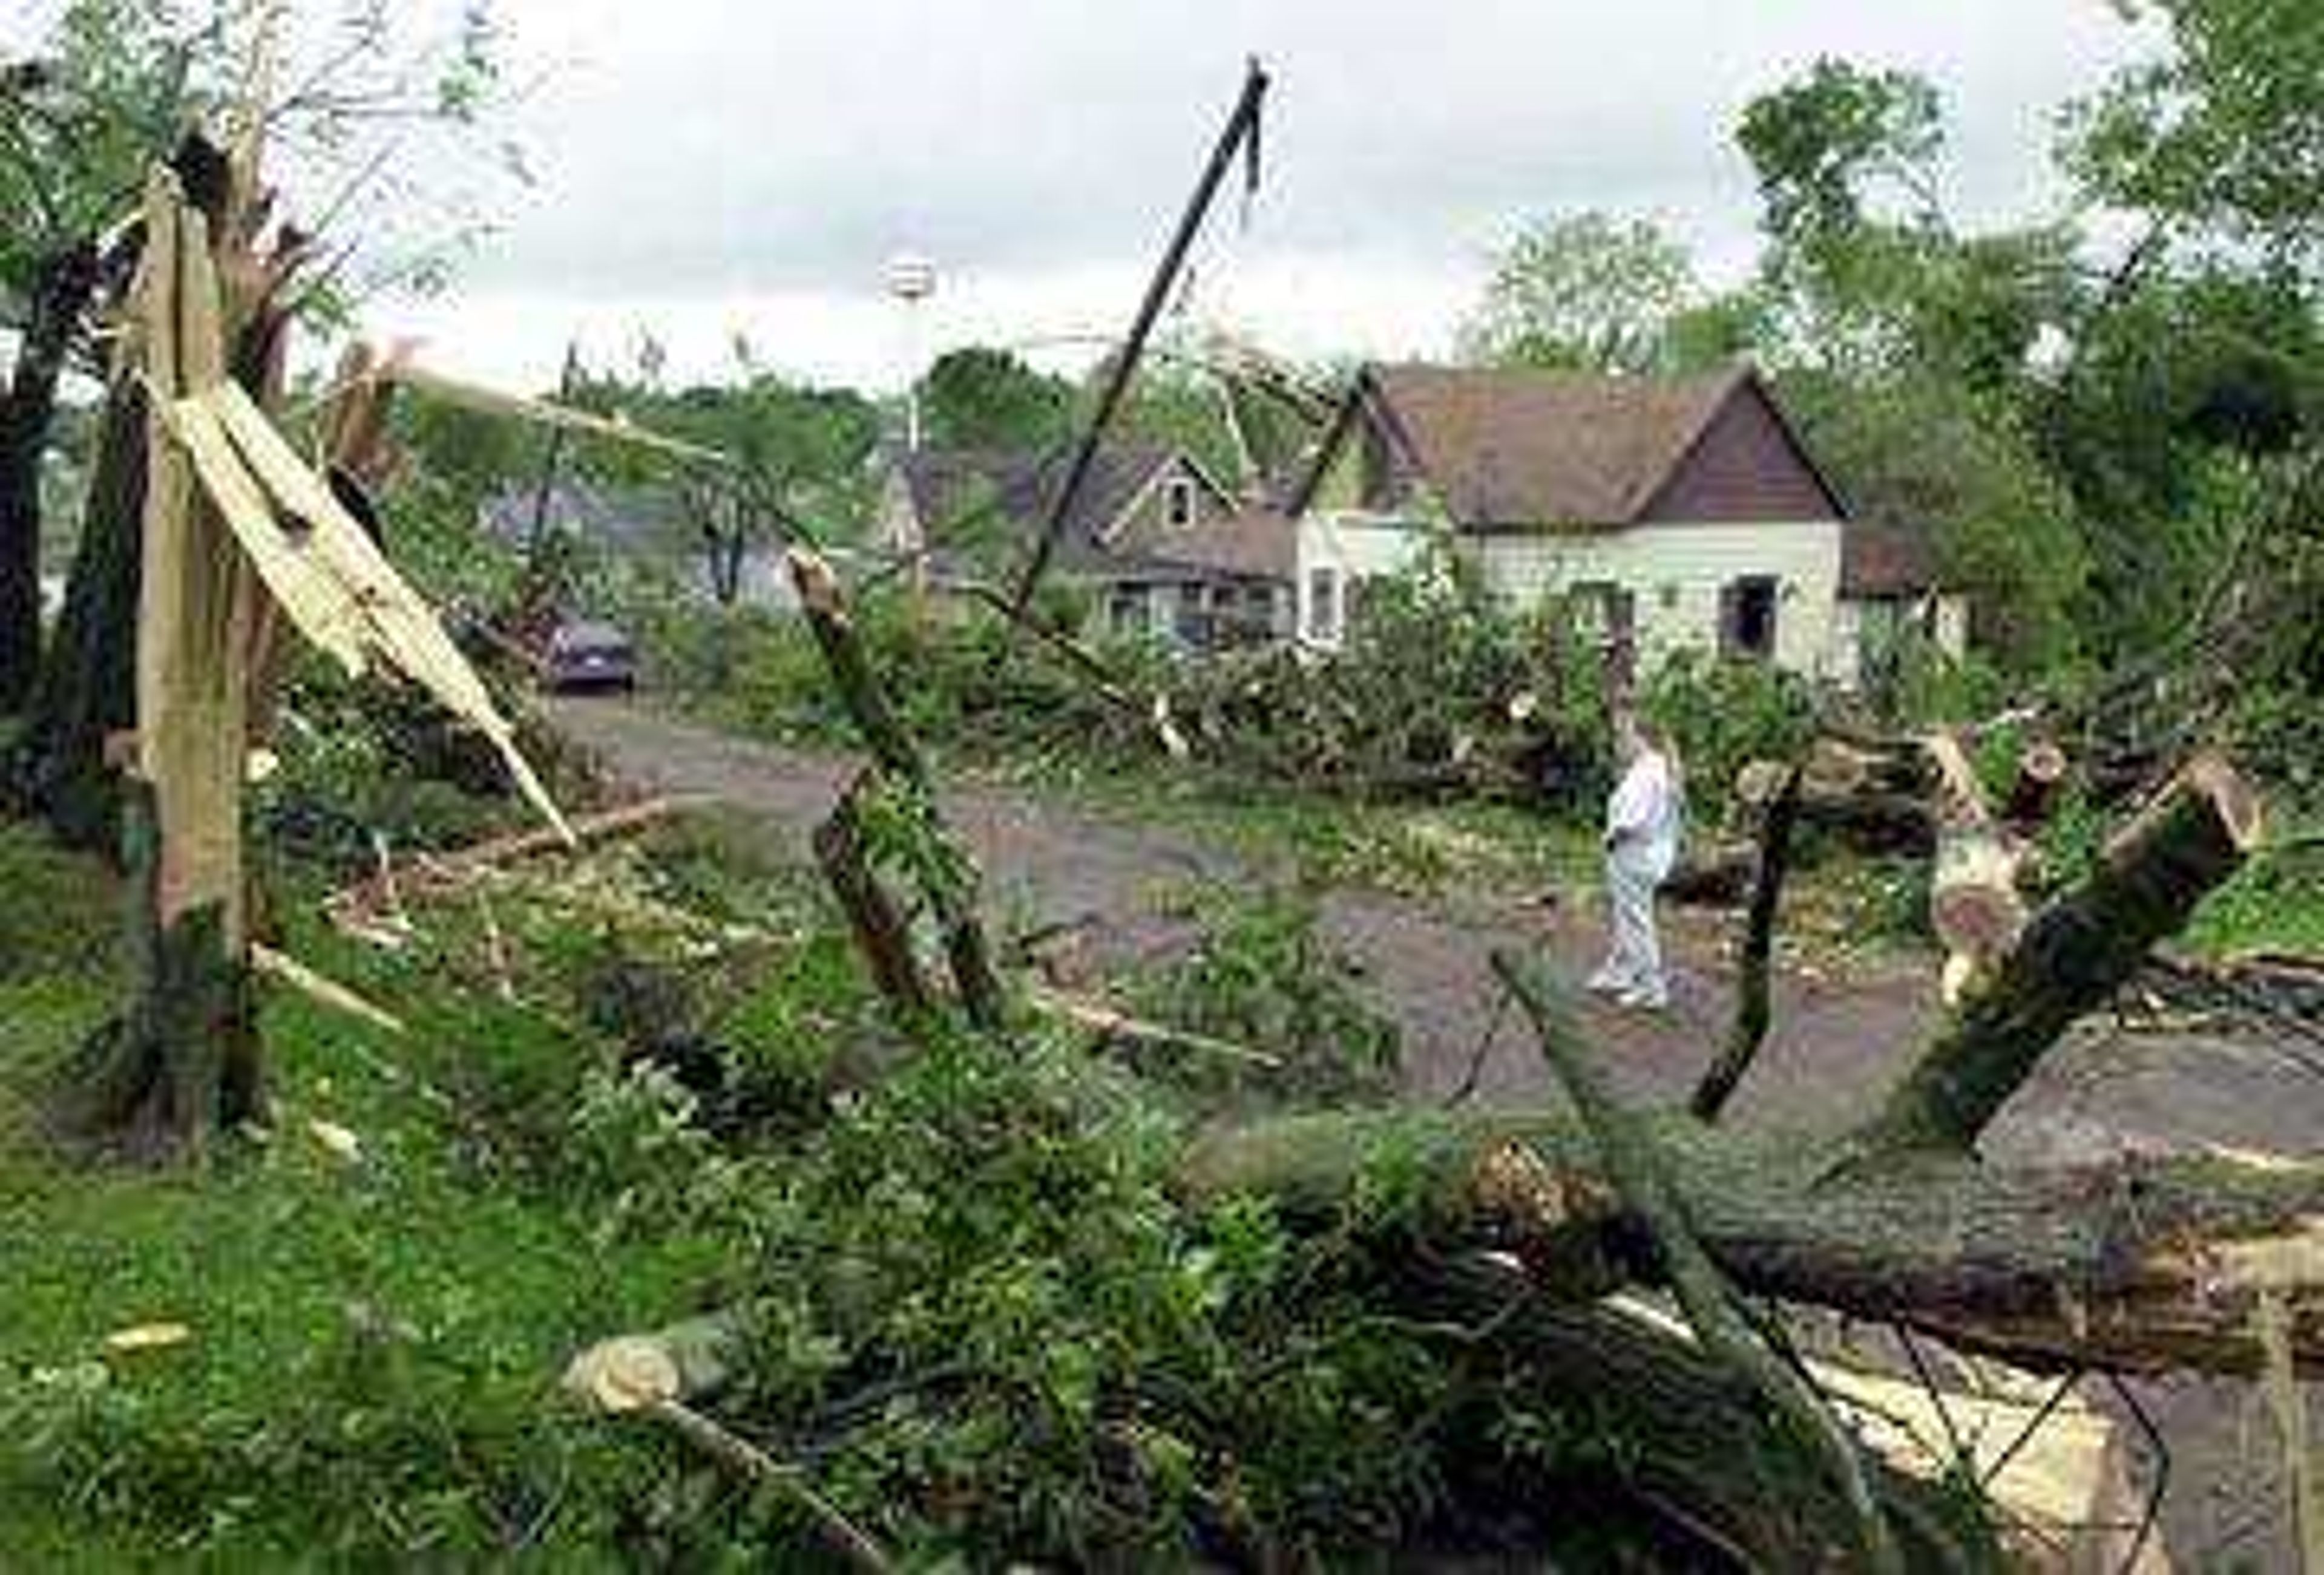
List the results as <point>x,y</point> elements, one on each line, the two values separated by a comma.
<point>373,1345</point>
<point>2276,904</point>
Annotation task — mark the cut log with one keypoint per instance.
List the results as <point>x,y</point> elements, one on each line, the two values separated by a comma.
<point>1974,908</point>
<point>2072,957</point>
<point>1874,800</point>
<point>689,1361</point>
<point>2040,779</point>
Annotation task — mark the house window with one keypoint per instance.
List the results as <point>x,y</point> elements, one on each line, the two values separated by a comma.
<point>1747,618</point>
<point>1125,610</point>
<point>1193,622</point>
<point>1324,605</point>
<point>1667,595</point>
<point>1179,501</point>
<point>1606,611</point>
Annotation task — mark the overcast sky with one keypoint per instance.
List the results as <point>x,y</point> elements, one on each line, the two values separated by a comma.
<point>704,167</point>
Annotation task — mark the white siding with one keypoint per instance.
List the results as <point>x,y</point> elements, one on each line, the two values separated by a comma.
<point>1952,624</point>
<point>1861,628</point>
<point>1348,546</point>
<point>1677,573</point>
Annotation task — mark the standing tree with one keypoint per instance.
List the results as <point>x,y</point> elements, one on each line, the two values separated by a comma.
<point>1584,292</point>
<point>77,127</point>
<point>1905,348</point>
<point>976,397</point>
<point>2224,137</point>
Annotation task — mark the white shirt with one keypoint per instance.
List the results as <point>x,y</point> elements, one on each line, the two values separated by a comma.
<point>1643,815</point>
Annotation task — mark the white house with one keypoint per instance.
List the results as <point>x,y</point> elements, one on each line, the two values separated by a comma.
<point>1686,510</point>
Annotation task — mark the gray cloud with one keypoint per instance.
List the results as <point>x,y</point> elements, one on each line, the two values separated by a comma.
<point>711,149</point>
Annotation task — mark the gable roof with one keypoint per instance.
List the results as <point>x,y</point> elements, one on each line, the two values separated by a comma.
<point>1506,447</point>
<point>1254,543</point>
<point>948,488</point>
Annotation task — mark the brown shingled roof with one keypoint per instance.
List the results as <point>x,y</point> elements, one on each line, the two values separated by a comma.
<point>1255,543</point>
<point>1525,446</point>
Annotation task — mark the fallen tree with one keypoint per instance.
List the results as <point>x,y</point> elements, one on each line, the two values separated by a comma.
<point>2141,1266</point>
<point>1506,1231</point>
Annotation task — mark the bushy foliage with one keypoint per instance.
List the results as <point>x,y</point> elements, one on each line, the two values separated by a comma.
<point>965,681</point>
<point>1263,976</point>
<point>1721,716</point>
<point>1005,1339</point>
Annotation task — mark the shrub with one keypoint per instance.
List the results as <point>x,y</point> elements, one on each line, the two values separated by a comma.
<point>1721,716</point>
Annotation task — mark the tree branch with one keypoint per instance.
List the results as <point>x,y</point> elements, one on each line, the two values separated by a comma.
<point>2073,956</point>
<point>1630,1160</point>
<point>1752,1013</point>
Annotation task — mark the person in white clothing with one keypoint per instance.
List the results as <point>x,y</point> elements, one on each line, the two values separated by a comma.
<point>1642,834</point>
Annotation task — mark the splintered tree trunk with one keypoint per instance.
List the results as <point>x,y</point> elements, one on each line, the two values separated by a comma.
<point>2074,954</point>
<point>88,683</point>
<point>60,295</point>
<point>183,1061</point>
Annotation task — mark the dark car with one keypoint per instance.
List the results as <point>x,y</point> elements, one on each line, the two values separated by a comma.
<point>585,654</point>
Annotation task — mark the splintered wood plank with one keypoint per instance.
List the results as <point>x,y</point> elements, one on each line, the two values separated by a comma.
<point>329,577</point>
<point>317,604</point>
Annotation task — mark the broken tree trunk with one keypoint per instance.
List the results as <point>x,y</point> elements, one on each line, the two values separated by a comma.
<point>1636,1170</point>
<point>883,934</point>
<point>236,529</point>
<point>88,680</point>
<point>183,1062</point>
<point>2073,956</point>
<point>2141,1266</point>
<point>1752,1011</point>
<point>947,879</point>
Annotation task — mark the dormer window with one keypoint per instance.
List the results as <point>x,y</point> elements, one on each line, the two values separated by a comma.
<point>1179,501</point>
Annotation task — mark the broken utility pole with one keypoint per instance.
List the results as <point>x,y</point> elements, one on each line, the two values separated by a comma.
<point>1241,133</point>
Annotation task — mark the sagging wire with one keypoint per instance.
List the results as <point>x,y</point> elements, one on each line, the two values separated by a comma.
<point>2161,1453</point>
<point>1920,1370</point>
<point>2025,1435</point>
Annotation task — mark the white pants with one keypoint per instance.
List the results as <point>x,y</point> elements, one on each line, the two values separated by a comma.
<point>1636,960</point>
